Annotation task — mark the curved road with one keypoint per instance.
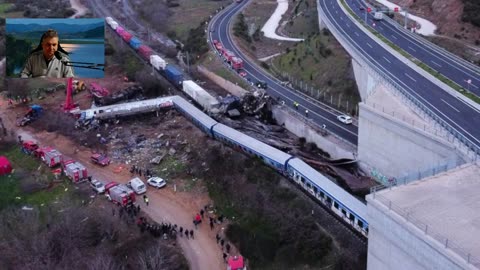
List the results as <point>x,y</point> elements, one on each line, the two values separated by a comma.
<point>219,30</point>
<point>459,115</point>
<point>454,68</point>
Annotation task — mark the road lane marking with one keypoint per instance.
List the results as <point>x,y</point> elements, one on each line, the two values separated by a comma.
<point>410,77</point>
<point>450,105</point>
<point>387,60</point>
<point>411,48</point>
<point>436,63</point>
<point>348,25</point>
<point>394,37</point>
<point>357,34</point>
<point>368,44</point>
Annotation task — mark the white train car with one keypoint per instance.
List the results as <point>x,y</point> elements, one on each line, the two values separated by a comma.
<point>268,154</point>
<point>201,96</point>
<point>352,210</point>
<point>157,62</point>
<point>201,120</point>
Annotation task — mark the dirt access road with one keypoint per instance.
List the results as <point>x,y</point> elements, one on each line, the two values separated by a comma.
<point>81,9</point>
<point>178,208</point>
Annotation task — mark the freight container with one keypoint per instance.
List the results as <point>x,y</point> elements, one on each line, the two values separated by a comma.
<point>135,43</point>
<point>145,52</point>
<point>120,30</point>
<point>126,36</point>
<point>114,25</point>
<point>237,63</point>
<point>202,97</point>
<point>174,75</point>
<point>157,62</point>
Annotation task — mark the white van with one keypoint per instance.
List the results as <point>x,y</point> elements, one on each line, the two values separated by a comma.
<point>137,185</point>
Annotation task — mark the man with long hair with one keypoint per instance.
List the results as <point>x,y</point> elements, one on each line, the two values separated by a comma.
<point>42,61</point>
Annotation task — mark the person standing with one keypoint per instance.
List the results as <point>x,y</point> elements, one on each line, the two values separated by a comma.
<point>145,198</point>
<point>202,212</point>
<point>211,224</point>
<point>191,234</point>
<point>227,247</point>
<point>43,61</point>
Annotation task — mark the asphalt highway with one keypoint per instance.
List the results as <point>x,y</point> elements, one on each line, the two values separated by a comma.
<point>457,70</point>
<point>320,115</point>
<point>459,115</point>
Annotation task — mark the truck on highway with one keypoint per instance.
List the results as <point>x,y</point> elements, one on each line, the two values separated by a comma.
<point>378,16</point>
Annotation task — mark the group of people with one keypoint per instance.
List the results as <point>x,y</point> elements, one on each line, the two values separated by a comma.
<point>165,230</point>
<point>212,220</point>
<point>130,210</point>
<point>225,246</point>
<point>135,170</point>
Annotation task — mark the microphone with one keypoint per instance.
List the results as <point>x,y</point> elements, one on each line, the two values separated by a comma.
<point>60,56</point>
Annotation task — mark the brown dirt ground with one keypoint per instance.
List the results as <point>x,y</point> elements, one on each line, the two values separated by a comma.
<point>165,204</point>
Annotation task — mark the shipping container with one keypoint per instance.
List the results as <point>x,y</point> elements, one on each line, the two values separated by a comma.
<point>174,75</point>
<point>145,52</point>
<point>202,97</point>
<point>135,43</point>
<point>120,30</point>
<point>126,36</point>
<point>157,62</point>
<point>114,25</point>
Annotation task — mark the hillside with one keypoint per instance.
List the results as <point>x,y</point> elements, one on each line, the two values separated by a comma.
<point>454,18</point>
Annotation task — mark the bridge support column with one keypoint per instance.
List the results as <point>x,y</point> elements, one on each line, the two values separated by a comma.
<point>321,24</point>
<point>365,82</point>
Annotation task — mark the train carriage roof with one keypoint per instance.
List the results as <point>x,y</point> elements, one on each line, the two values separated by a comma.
<point>257,146</point>
<point>193,111</point>
<point>345,198</point>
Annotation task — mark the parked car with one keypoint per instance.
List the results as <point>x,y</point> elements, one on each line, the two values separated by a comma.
<point>100,159</point>
<point>242,73</point>
<point>137,185</point>
<point>156,182</point>
<point>98,186</point>
<point>345,119</point>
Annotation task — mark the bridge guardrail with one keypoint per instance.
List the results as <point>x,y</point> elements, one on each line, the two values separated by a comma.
<point>385,78</point>
<point>444,241</point>
<point>432,45</point>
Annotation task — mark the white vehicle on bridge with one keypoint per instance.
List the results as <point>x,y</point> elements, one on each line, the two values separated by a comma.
<point>345,119</point>
<point>378,16</point>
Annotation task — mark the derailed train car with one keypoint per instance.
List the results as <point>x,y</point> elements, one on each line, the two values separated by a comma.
<point>351,210</point>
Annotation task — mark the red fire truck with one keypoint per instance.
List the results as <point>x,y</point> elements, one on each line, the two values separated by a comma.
<point>75,171</point>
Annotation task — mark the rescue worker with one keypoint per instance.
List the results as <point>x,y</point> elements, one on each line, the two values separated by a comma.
<point>145,199</point>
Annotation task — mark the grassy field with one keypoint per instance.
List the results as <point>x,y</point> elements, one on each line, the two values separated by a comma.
<point>31,183</point>
<point>319,67</point>
<point>191,13</point>
<point>212,62</point>
<point>302,18</point>
<point>322,65</point>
